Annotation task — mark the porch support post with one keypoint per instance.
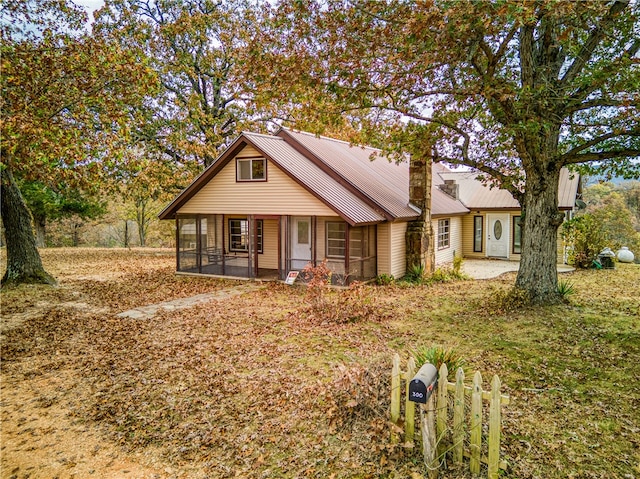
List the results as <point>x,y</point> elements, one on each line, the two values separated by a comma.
<point>288,243</point>
<point>198,244</point>
<point>347,253</point>
<point>280,275</point>
<point>314,239</point>
<point>177,244</point>
<point>224,249</point>
<point>250,246</point>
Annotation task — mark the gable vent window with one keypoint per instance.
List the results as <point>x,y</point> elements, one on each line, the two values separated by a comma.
<point>251,169</point>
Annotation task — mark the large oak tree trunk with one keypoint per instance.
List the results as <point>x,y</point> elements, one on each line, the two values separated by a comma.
<point>419,236</point>
<point>23,260</point>
<point>538,274</point>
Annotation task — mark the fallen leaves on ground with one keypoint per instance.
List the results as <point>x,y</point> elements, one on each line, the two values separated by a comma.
<point>264,385</point>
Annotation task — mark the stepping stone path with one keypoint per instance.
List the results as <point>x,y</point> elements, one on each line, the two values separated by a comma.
<point>147,312</point>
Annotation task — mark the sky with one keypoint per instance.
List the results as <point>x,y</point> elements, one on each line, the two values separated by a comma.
<point>89,6</point>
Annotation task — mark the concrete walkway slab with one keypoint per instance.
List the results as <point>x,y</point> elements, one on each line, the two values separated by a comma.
<point>149,311</point>
<point>492,268</point>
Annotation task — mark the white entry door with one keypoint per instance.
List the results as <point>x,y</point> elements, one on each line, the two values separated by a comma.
<point>300,242</point>
<point>498,236</point>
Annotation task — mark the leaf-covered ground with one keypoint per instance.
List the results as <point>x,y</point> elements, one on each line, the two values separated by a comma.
<point>259,386</point>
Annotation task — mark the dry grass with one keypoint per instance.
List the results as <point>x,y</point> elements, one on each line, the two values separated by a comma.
<point>254,386</point>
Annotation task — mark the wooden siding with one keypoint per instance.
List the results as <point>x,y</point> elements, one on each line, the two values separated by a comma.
<point>398,249</point>
<point>445,255</point>
<point>384,248</point>
<point>269,258</point>
<point>279,195</point>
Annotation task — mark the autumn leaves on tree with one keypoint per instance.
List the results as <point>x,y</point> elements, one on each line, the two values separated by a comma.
<point>516,90</point>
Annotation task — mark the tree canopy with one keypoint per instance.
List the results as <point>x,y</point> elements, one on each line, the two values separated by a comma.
<point>67,100</point>
<point>515,90</point>
<point>195,48</point>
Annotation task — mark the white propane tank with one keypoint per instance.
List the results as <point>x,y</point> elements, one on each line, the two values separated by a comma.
<point>625,255</point>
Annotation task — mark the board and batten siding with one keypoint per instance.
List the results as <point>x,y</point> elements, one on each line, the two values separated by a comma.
<point>398,232</point>
<point>279,195</point>
<point>445,255</point>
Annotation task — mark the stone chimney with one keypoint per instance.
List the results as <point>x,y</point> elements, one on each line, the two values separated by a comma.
<point>420,236</point>
<point>451,188</point>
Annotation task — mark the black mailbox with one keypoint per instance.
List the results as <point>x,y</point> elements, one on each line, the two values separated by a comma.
<point>423,383</point>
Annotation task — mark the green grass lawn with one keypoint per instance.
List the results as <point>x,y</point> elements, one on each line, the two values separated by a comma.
<point>259,386</point>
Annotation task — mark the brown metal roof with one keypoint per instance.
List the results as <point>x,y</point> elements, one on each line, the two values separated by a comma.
<point>444,205</point>
<point>309,175</point>
<point>568,188</point>
<point>343,177</point>
<point>476,195</point>
<point>384,182</point>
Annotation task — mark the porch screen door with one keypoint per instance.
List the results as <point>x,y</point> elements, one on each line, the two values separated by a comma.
<point>300,242</point>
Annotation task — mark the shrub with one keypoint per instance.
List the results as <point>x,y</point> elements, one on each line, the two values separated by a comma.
<point>438,355</point>
<point>457,264</point>
<point>415,274</point>
<point>446,275</point>
<point>384,279</point>
<point>336,306</point>
<point>607,224</point>
<point>586,236</point>
<point>318,280</point>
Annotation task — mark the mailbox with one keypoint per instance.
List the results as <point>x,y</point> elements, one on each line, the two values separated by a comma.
<point>423,384</point>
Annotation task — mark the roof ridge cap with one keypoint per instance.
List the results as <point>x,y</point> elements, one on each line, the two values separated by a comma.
<point>307,133</point>
<point>263,135</point>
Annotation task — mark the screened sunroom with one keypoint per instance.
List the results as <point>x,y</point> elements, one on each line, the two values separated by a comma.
<point>269,247</point>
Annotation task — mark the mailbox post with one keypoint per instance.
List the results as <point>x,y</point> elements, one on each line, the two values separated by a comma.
<point>421,389</point>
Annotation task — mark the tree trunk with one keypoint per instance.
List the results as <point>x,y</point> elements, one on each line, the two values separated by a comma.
<point>24,264</point>
<point>41,230</point>
<point>76,234</point>
<point>538,274</point>
<point>141,218</point>
<point>419,236</point>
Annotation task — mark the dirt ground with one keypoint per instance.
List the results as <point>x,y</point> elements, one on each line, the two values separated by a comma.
<point>39,436</point>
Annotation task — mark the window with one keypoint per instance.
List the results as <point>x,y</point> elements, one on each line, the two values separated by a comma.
<point>303,232</point>
<point>336,239</point>
<point>239,235</point>
<point>478,222</point>
<point>251,169</point>
<point>517,236</point>
<point>443,234</point>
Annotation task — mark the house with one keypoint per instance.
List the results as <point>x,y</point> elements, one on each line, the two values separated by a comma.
<point>270,204</point>
<point>492,227</point>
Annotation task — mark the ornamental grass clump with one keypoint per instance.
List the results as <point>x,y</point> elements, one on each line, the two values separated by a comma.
<point>438,355</point>
<point>565,289</point>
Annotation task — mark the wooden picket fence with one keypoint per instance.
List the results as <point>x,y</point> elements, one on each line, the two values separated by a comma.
<point>450,439</point>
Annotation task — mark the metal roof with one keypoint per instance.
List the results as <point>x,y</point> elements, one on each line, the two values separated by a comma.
<point>475,195</point>
<point>384,182</point>
<point>305,172</point>
<point>360,190</point>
